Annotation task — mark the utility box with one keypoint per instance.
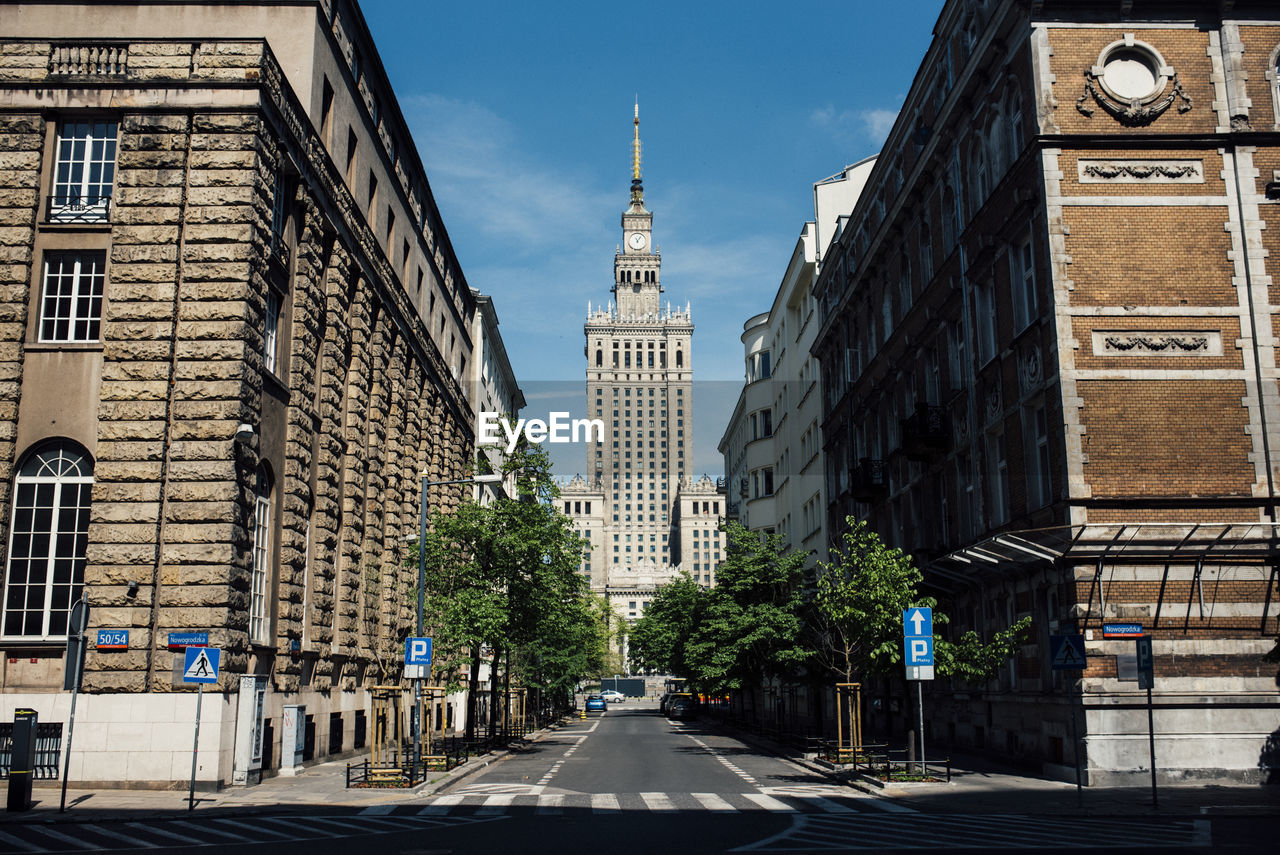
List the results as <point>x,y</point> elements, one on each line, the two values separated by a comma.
<point>293,739</point>
<point>22,763</point>
<point>247,766</point>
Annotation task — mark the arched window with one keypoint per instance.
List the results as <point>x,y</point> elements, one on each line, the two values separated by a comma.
<point>48,535</point>
<point>1013,122</point>
<point>977,173</point>
<point>599,358</point>
<point>950,220</point>
<point>679,358</point>
<point>260,571</point>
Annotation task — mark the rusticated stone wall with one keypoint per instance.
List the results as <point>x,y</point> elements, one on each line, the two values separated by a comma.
<point>358,407</point>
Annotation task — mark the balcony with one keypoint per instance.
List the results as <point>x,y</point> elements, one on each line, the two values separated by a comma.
<point>78,209</point>
<point>870,481</point>
<point>279,257</point>
<point>926,432</point>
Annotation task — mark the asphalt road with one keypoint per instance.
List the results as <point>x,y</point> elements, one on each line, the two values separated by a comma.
<point>630,781</point>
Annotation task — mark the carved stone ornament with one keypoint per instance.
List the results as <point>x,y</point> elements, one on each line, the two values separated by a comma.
<point>962,428</point>
<point>1137,111</point>
<point>993,404</point>
<point>1156,343</point>
<point>1030,369</point>
<point>1141,171</point>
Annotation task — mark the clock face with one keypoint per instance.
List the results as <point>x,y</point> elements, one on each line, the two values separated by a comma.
<point>636,241</point>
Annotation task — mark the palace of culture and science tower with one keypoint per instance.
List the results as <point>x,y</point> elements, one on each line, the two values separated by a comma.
<point>645,516</point>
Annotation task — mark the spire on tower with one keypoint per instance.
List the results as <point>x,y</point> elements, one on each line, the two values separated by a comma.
<point>637,188</point>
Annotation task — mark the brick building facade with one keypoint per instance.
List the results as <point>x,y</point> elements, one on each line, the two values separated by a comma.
<point>1049,367</point>
<point>233,336</point>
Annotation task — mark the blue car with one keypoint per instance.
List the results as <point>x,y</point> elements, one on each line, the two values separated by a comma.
<point>595,703</point>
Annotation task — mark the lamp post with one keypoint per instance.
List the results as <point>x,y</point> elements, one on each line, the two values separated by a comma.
<point>422,582</point>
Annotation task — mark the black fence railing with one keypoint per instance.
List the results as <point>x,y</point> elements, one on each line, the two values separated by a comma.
<point>76,208</point>
<point>887,764</point>
<point>48,749</point>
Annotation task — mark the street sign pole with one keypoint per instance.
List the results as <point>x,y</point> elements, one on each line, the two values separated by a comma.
<point>1145,656</point>
<point>79,622</point>
<point>1075,744</point>
<point>195,749</point>
<point>920,705</point>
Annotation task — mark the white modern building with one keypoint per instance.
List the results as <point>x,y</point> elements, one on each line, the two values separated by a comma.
<point>772,445</point>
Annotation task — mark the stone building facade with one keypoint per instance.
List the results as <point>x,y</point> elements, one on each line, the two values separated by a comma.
<point>1049,366</point>
<point>234,337</point>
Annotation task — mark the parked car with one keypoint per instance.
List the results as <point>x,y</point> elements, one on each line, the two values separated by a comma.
<point>682,708</point>
<point>663,701</point>
<point>612,696</point>
<point>595,703</point>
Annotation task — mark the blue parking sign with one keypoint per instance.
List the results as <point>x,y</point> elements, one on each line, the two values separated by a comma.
<point>417,651</point>
<point>919,651</point>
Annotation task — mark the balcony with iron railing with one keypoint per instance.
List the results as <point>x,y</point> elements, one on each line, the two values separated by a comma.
<point>926,432</point>
<point>870,480</point>
<point>75,208</point>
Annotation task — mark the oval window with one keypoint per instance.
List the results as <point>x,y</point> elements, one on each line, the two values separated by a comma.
<point>1130,74</point>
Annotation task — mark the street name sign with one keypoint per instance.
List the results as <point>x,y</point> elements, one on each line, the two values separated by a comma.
<point>1122,630</point>
<point>201,665</point>
<point>188,639</point>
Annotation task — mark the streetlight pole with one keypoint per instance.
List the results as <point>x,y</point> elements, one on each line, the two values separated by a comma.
<point>422,585</point>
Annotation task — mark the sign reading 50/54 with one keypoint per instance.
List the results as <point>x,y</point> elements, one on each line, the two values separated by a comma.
<point>113,639</point>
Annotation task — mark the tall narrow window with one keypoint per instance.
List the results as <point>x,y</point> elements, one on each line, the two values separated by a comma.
<point>48,535</point>
<point>261,557</point>
<point>985,321</point>
<point>1036,431</point>
<point>84,172</point>
<point>71,306</point>
<point>326,113</point>
<point>271,331</point>
<point>1022,283</point>
<point>353,143</point>
<point>997,478</point>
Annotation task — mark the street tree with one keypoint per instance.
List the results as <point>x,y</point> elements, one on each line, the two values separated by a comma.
<point>658,639</point>
<point>859,599</point>
<point>750,628</point>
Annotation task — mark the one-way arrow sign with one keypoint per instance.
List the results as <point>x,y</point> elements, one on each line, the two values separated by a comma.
<point>917,623</point>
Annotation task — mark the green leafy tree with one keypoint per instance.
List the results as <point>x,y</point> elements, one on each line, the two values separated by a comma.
<point>859,598</point>
<point>504,576</point>
<point>658,639</point>
<point>751,625</point>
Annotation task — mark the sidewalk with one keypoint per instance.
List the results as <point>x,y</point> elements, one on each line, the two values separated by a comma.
<point>323,785</point>
<point>979,786</point>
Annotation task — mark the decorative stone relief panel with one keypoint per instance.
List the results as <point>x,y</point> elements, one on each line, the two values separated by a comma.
<point>1157,343</point>
<point>1030,370</point>
<point>993,405</point>
<point>1140,171</point>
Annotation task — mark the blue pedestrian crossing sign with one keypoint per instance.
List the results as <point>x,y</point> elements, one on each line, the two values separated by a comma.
<point>201,665</point>
<point>1066,652</point>
<point>918,623</point>
<point>417,651</point>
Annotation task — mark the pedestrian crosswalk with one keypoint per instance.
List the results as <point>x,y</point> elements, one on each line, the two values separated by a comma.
<point>234,832</point>
<point>489,803</point>
<point>825,832</point>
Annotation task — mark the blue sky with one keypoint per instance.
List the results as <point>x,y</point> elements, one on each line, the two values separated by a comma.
<point>522,116</point>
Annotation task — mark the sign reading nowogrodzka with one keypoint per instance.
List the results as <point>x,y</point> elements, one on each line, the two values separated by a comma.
<point>497,429</point>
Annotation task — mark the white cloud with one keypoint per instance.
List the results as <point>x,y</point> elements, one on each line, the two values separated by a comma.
<point>871,125</point>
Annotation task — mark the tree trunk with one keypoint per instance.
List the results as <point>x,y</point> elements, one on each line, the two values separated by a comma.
<point>493,693</point>
<point>473,690</point>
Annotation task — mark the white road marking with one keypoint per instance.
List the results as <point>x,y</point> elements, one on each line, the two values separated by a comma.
<point>496,805</point>
<point>711,801</point>
<point>826,805</point>
<point>133,842</point>
<point>658,802</point>
<point>551,804</point>
<point>769,802</point>
<point>604,803</point>
<point>377,810</point>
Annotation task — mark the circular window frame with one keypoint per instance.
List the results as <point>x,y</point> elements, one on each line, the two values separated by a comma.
<point>1161,70</point>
